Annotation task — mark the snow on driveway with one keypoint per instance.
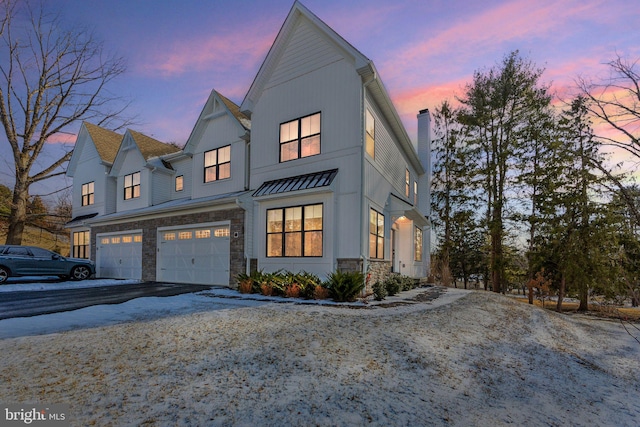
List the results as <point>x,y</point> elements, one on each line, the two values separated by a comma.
<point>466,359</point>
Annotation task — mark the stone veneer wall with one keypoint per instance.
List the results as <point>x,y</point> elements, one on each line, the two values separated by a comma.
<point>378,271</point>
<point>150,227</point>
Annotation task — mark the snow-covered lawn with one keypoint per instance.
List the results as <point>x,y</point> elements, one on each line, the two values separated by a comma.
<point>466,359</point>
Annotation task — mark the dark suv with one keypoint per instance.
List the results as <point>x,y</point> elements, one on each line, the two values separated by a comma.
<point>32,261</point>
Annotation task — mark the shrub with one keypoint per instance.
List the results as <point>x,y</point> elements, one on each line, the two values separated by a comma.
<point>307,282</point>
<point>379,291</point>
<point>393,284</point>
<point>345,286</point>
<point>320,292</point>
<point>292,290</point>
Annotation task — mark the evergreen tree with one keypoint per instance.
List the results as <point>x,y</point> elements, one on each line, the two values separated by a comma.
<point>499,107</point>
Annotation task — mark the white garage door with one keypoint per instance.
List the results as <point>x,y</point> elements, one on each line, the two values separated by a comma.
<point>119,256</point>
<point>194,255</point>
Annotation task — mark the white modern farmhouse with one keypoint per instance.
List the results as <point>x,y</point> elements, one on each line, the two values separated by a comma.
<point>313,171</point>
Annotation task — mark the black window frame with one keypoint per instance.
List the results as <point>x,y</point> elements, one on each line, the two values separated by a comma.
<point>216,165</point>
<point>302,231</point>
<point>377,234</point>
<point>88,198</point>
<point>81,250</point>
<point>133,186</point>
<point>299,138</point>
<point>175,187</point>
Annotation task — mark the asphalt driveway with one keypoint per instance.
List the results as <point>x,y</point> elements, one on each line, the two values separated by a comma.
<point>34,303</point>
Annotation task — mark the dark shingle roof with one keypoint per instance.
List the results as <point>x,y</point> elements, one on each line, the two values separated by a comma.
<point>150,147</point>
<point>235,110</point>
<point>107,142</point>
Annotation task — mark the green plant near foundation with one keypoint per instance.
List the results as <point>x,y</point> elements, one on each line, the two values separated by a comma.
<point>379,291</point>
<point>345,286</point>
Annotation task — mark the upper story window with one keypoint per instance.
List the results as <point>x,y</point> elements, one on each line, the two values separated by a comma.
<point>179,183</point>
<point>415,193</point>
<point>132,186</point>
<point>407,182</point>
<point>87,194</point>
<point>295,231</point>
<point>217,164</point>
<point>370,127</point>
<point>376,234</point>
<point>300,138</point>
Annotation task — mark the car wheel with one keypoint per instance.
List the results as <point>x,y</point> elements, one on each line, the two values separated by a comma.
<point>80,272</point>
<point>4,274</point>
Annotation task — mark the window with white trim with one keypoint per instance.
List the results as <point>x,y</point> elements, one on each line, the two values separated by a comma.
<point>81,244</point>
<point>217,164</point>
<point>88,193</point>
<point>295,231</point>
<point>300,138</point>
<point>132,186</point>
<point>376,234</point>
<point>370,127</point>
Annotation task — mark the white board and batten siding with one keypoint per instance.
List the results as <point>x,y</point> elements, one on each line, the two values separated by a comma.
<point>197,253</point>
<point>119,255</point>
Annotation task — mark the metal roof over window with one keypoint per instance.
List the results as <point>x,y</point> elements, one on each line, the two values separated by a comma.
<point>300,182</point>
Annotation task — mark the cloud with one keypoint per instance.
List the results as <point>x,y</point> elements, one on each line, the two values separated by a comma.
<point>224,52</point>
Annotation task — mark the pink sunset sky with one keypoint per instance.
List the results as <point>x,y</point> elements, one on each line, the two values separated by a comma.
<point>425,50</point>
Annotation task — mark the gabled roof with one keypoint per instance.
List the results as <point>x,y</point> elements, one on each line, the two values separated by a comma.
<point>106,141</point>
<point>209,112</point>
<point>150,147</point>
<point>364,67</point>
<point>297,12</point>
<point>235,110</point>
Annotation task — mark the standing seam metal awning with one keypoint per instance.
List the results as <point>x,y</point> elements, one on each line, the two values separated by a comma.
<point>300,182</point>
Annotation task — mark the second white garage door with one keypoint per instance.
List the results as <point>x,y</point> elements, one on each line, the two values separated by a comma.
<point>198,254</point>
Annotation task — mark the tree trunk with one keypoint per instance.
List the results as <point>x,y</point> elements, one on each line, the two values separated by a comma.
<point>18,215</point>
<point>561,291</point>
<point>583,294</point>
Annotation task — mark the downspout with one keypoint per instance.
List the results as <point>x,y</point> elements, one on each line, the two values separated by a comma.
<point>363,208</point>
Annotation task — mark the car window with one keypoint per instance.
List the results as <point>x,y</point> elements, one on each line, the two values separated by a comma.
<point>18,251</point>
<point>41,253</point>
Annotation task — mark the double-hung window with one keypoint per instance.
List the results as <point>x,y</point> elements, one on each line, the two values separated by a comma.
<point>300,138</point>
<point>132,186</point>
<point>81,244</point>
<point>376,234</point>
<point>217,164</point>
<point>295,231</point>
<point>87,193</point>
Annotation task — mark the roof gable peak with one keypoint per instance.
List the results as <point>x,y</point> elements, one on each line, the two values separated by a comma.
<point>298,13</point>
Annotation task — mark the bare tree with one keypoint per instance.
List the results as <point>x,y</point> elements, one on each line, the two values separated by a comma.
<point>615,101</point>
<point>50,79</point>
